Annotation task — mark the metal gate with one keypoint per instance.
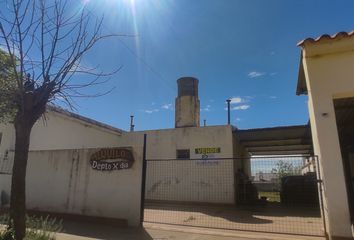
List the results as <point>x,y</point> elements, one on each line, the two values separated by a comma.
<point>275,194</point>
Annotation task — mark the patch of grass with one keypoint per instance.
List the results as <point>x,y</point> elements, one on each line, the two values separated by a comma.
<point>38,228</point>
<point>271,196</point>
<point>189,219</point>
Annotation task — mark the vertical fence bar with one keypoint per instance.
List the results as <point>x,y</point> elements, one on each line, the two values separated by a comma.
<point>143,183</point>
<point>320,182</point>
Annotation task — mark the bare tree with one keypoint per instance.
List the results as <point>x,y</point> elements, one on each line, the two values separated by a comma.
<point>46,41</point>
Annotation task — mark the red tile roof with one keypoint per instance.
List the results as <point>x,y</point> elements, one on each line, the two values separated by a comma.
<point>326,36</point>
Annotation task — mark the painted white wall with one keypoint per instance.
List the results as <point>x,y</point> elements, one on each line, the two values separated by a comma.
<point>63,181</point>
<point>5,188</point>
<point>8,138</point>
<point>62,132</point>
<point>59,131</point>
<point>163,143</point>
<point>6,158</point>
<point>192,181</point>
<point>329,73</point>
<point>60,179</point>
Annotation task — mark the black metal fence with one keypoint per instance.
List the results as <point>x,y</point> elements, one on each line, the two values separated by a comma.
<point>263,194</point>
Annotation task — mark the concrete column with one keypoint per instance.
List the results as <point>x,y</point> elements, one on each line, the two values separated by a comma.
<point>327,148</point>
<point>187,103</point>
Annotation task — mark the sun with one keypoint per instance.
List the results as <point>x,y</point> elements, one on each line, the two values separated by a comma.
<point>129,3</point>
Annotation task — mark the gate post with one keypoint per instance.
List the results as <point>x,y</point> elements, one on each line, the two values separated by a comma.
<point>320,193</point>
<point>143,182</point>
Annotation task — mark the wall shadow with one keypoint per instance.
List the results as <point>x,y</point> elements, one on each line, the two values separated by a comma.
<point>105,232</point>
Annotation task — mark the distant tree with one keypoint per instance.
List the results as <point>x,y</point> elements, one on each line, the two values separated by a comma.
<point>44,41</point>
<point>7,88</point>
<point>283,169</point>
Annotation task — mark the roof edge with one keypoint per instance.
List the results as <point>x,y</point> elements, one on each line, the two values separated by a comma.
<point>81,118</point>
<point>301,87</point>
<point>338,35</point>
<point>275,128</point>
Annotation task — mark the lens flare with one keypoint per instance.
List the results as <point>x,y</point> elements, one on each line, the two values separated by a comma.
<point>135,25</point>
<point>84,2</point>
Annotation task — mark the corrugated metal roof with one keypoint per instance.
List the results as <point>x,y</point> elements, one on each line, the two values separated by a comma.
<point>326,36</point>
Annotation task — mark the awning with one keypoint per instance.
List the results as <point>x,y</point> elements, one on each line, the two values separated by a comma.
<point>289,140</point>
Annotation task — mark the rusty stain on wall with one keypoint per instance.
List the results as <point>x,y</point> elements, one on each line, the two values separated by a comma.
<point>73,176</point>
<point>86,182</point>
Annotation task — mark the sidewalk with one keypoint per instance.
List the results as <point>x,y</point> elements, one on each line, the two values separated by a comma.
<point>87,231</point>
<point>141,234</point>
<point>79,231</point>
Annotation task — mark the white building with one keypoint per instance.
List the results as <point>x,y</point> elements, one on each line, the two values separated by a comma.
<point>326,75</point>
<point>209,175</point>
<point>60,178</point>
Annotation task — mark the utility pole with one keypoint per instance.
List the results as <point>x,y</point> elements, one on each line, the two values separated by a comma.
<point>132,123</point>
<point>228,112</point>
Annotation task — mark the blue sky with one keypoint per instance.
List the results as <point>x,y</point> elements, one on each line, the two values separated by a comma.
<point>241,49</point>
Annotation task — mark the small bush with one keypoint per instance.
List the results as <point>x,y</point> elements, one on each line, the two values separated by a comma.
<point>6,234</point>
<point>38,228</point>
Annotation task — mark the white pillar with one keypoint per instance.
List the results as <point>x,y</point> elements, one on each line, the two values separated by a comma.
<point>327,148</point>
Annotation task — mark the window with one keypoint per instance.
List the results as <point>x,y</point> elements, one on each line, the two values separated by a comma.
<point>183,154</point>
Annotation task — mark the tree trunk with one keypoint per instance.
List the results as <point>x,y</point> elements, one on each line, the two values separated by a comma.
<point>18,188</point>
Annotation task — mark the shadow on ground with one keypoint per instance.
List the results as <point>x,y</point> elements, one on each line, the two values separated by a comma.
<point>272,218</point>
<point>100,231</point>
<point>232,213</point>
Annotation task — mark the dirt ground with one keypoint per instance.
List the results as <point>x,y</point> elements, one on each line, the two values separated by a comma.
<point>271,218</point>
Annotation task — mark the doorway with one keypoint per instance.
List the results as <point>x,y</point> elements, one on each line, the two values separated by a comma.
<point>344,109</point>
